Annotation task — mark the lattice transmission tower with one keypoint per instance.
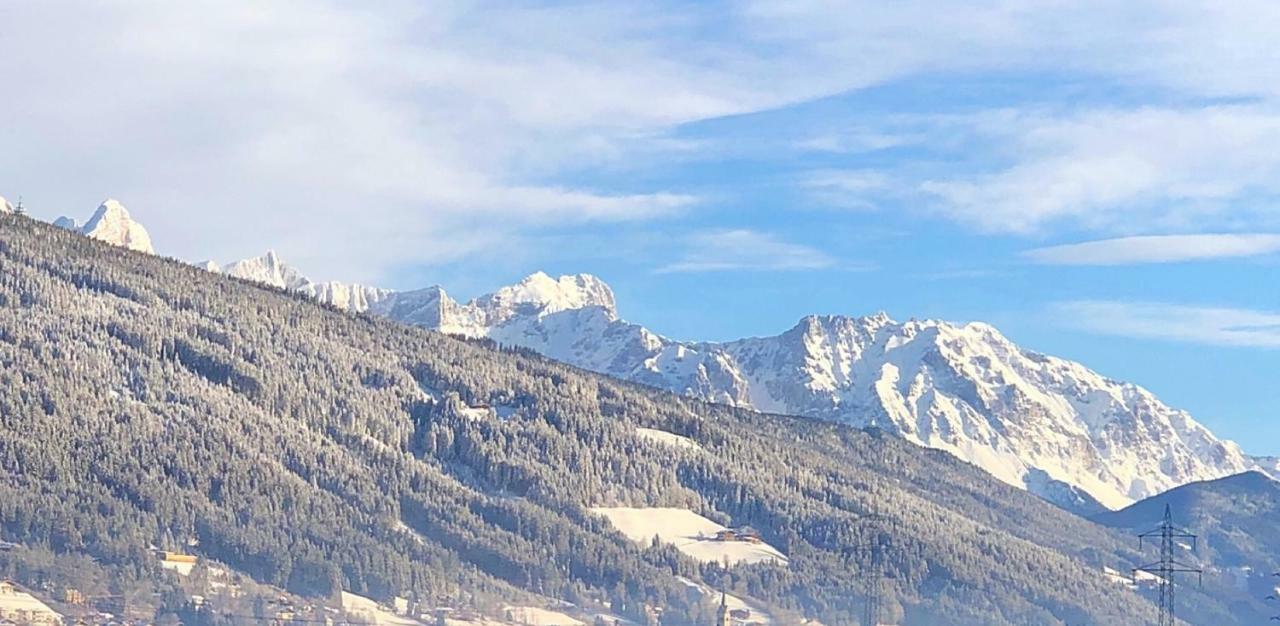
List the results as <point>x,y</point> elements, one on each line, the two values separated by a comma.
<point>871,555</point>
<point>1168,567</point>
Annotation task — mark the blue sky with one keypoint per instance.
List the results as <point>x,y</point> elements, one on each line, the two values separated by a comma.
<point>1099,180</point>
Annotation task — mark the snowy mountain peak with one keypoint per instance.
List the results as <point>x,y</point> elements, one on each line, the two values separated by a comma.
<point>267,269</point>
<point>69,223</point>
<point>547,295</point>
<point>877,319</point>
<point>270,269</point>
<point>5,206</point>
<point>112,223</point>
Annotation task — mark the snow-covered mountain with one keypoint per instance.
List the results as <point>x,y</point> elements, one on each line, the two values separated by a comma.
<point>5,206</point>
<point>1045,424</point>
<point>270,270</point>
<point>111,223</point>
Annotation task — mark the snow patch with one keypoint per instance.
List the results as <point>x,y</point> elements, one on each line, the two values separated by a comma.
<point>689,532</point>
<point>533,616</point>
<point>758,613</point>
<point>371,612</point>
<point>666,438</point>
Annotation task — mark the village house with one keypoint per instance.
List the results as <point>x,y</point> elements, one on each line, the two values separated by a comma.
<point>745,533</point>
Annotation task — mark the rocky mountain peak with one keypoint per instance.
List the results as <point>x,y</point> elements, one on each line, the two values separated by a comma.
<point>547,295</point>
<point>113,224</point>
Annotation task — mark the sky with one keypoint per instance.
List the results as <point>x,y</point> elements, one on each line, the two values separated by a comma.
<point>1099,180</point>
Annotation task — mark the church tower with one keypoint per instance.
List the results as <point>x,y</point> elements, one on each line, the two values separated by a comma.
<point>722,618</point>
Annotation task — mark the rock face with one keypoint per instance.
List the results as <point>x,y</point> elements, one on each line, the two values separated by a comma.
<point>111,223</point>
<point>1045,424</point>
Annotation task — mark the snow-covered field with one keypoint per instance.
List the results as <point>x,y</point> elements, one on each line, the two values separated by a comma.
<point>664,437</point>
<point>758,614</point>
<point>533,616</point>
<point>688,532</point>
<point>371,612</point>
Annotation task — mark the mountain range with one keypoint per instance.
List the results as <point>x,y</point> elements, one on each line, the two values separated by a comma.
<point>148,406</point>
<point>154,404</point>
<point>1042,423</point>
<point>1066,433</point>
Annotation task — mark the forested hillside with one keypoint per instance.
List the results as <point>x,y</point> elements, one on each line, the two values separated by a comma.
<point>144,401</point>
<point>1237,520</point>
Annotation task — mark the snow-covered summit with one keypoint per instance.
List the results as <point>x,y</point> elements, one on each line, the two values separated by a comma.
<point>267,269</point>
<point>5,206</point>
<point>546,295</point>
<point>112,223</point>
<point>1032,420</point>
<point>270,269</point>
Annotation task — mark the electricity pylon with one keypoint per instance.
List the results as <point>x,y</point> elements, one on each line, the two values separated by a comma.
<point>1168,566</point>
<point>1275,596</point>
<point>871,553</point>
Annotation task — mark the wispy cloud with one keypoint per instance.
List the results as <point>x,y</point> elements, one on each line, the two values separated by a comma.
<point>388,129</point>
<point>745,250</point>
<point>1119,170</point>
<point>1157,249</point>
<point>1217,326</point>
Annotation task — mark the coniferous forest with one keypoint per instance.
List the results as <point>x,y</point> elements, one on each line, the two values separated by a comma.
<point>146,404</point>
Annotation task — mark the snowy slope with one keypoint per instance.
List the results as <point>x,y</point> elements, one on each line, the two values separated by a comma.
<point>5,206</point>
<point>112,223</point>
<point>1045,424</point>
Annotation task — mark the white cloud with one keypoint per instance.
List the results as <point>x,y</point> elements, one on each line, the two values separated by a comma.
<point>1121,170</point>
<point>1190,324</point>
<point>353,138</point>
<point>356,137</point>
<point>745,250</point>
<point>1157,249</point>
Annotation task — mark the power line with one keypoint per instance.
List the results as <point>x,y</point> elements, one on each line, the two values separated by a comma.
<point>1168,566</point>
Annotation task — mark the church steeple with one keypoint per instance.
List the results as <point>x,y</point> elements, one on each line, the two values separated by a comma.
<point>722,618</point>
